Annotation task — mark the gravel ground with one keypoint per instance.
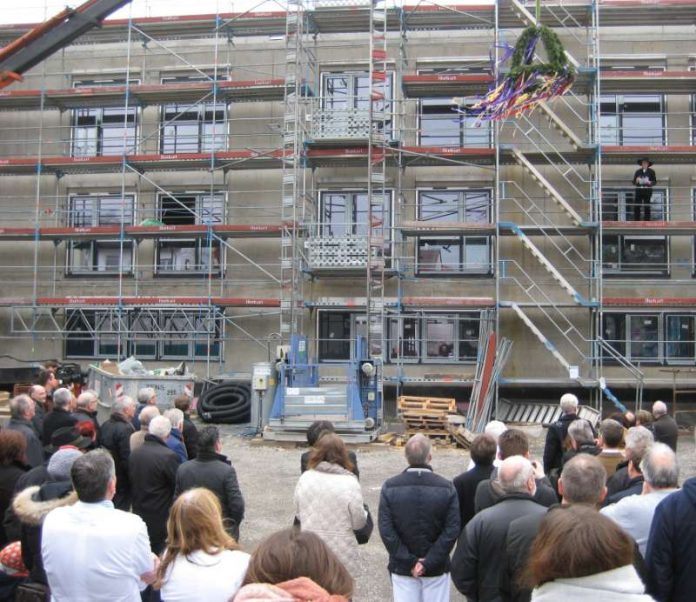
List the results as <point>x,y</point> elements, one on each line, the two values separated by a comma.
<point>268,473</point>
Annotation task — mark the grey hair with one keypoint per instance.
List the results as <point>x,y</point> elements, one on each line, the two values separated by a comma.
<point>62,398</point>
<point>495,428</point>
<point>146,394</point>
<point>34,388</point>
<point>20,405</point>
<point>175,416</point>
<point>86,399</point>
<point>659,408</point>
<point>580,431</point>
<point>660,467</point>
<point>514,474</point>
<point>146,416</point>
<point>569,403</point>
<point>121,404</point>
<point>91,474</point>
<point>417,450</point>
<point>160,427</point>
<point>638,441</point>
<point>583,479</point>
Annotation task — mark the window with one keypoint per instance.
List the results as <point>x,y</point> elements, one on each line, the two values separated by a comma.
<point>195,255</point>
<point>665,338</point>
<point>447,255</point>
<point>102,256</point>
<point>346,212</point>
<point>417,338</point>
<point>148,334</point>
<point>104,131</point>
<point>441,125</point>
<point>345,104</point>
<point>196,128</point>
<point>631,254</point>
<point>632,120</point>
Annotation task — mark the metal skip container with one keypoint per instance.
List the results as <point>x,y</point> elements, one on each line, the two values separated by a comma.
<point>110,387</point>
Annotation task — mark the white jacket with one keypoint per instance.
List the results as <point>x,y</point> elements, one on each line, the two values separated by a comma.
<point>617,585</point>
<point>329,502</point>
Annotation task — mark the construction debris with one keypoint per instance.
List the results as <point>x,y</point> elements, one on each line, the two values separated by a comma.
<point>426,415</point>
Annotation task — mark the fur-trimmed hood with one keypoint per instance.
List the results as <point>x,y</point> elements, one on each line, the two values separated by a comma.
<point>32,510</point>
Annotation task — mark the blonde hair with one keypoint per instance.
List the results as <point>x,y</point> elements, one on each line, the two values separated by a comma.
<point>195,523</point>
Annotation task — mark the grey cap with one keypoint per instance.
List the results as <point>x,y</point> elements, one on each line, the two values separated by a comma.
<point>61,462</point>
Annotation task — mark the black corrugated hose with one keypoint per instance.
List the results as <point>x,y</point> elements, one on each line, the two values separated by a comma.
<point>228,402</point>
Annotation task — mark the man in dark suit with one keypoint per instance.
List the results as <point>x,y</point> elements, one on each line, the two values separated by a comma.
<point>644,179</point>
<point>665,427</point>
<point>483,450</point>
<point>315,432</point>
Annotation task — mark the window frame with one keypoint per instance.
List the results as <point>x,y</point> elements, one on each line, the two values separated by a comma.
<point>619,138</point>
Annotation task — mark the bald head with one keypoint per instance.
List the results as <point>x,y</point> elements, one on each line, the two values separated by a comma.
<point>659,467</point>
<point>659,409</point>
<point>417,450</point>
<point>516,475</point>
<point>583,481</point>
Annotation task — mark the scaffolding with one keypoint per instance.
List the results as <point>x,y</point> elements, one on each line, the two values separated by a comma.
<point>309,188</point>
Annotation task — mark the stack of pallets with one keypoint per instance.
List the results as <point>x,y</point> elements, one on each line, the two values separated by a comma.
<point>426,415</point>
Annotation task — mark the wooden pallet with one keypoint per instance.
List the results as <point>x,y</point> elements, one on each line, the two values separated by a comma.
<point>443,404</point>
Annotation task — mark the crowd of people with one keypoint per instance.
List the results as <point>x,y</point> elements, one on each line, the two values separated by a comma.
<point>145,506</point>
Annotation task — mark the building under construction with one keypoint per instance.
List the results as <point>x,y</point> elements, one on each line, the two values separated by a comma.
<point>200,188</point>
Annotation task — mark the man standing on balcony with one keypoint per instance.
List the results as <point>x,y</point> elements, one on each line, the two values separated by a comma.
<point>644,179</point>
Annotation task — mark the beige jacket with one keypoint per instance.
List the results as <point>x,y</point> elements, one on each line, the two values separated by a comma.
<point>329,502</point>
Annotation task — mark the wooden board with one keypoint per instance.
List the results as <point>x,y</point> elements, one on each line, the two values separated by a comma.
<point>406,402</point>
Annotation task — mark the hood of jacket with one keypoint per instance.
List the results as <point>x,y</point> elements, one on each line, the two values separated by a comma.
<point>33,504</point>
<point>330,468</point>
<point>689,489</point>
<point>622,584</point>
<point>301,589</point>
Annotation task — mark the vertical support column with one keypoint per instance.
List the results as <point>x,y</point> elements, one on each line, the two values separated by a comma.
<point>378,234</point>
<point>292,194</point>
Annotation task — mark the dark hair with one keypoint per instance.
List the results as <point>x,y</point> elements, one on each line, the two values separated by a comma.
<point>576,541</point>
<point>620,418</point>
<point>483,450</point>
<point>612,432</point>
<point>182,402</point>
<point>513,442</point>
<point>91,474</point>
<point>13,447</point>
<point>330,448</point>
<point>43,377</point>
<point>208,436</point>
<point>292,553</point>
<point>644,417</point>
<point>316,429</point>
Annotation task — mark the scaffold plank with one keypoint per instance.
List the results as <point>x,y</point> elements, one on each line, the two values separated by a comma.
<point>109,301</point>
<point>649,301</point>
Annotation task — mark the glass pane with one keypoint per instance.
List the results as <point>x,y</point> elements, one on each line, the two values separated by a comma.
<point>336,91</point>
<point>175,344</point>
<point>114,211</point>
<point>335,214</point>
<point>177,256</point>
<point>477,207</point>
<point>440,255</point>
<point>610,206</point>
<point>440,337</point>
<point>404,338</point>
<point>85,142</point>
<point>647,254</point>
<point>614,332</point>
<point>642,129</point>
<point>476,254</point>
<point>79,340</point>
<point>439,206</point>
<point>468,339</point>
<point>109,257</point>
<point>334,335</point>
<point>80,257</point>
<point>680,337</point>
<point>609,129</point>
<point>178,210</point>
<point>644,337</point>
<point>212,137</point>
<point>210,209</point>
<point>81,212</point>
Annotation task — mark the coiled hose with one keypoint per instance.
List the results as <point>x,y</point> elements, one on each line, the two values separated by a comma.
<point>228,402</point>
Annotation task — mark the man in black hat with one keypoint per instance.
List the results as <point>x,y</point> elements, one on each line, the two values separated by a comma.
<point>644,179</point>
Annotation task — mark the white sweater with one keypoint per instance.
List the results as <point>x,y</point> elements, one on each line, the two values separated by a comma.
<point>204,577</point>
<point>617,585</point>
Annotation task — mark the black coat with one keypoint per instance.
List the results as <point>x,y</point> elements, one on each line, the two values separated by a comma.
<point>478,560</point>
<point>418,518</point>
<point>31,507</point>
<point>9,475</point>
<point>619,480</point>
<point>152,470</point>
<point>671,551</point>
<point>214,471</point>
<point>666,431</point>
<point>190,438</point>
<point>304,462</point>
<point>590,449</point>
<point>555,442</point>
<point>39,417</point>
<point>465,484</point>
<point>35,450</point>
<point>634,487</point>
<point>115,437</point>
<point>84,415</point>
<point>649,173</point>
<point>54,420</point>
<point>489,493</point>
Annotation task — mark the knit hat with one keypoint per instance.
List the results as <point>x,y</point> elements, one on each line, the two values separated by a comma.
<point>61,462</point>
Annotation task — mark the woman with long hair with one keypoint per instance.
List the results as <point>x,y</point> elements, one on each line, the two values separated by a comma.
<point>329,502</point>
<point>295,565</point>
<point>581,555</point>
<point>13,464</point>
<point>201,562</point>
